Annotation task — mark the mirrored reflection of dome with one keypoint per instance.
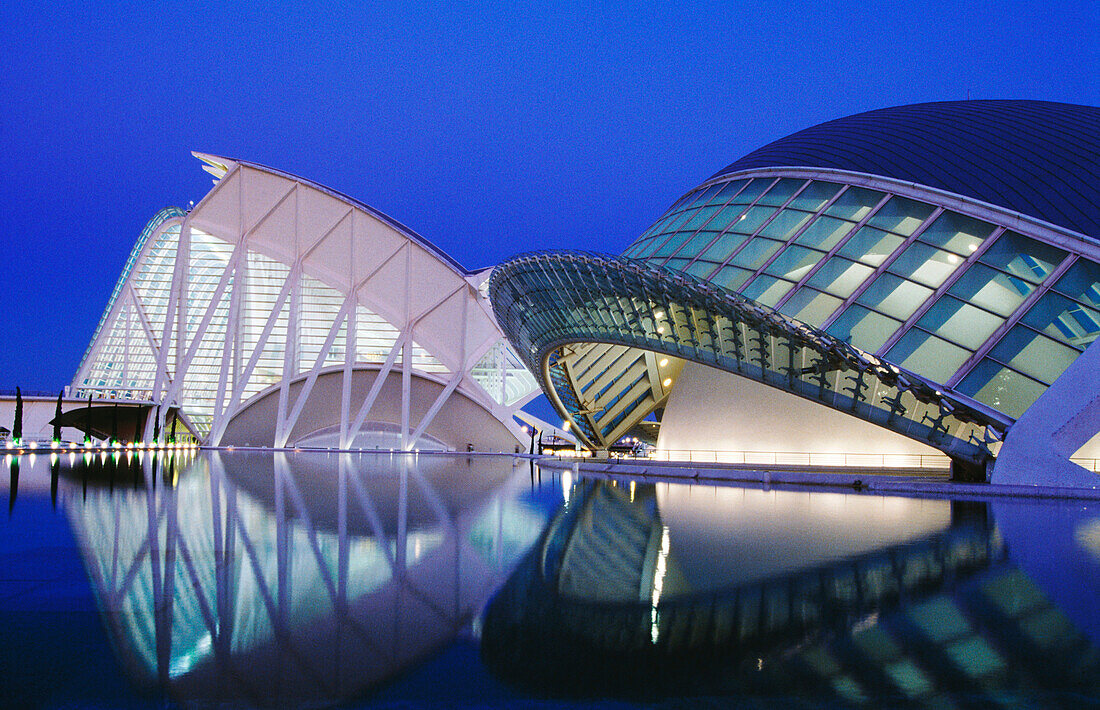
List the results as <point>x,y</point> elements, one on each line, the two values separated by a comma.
<point>219,593</point>
<point>615,601</point>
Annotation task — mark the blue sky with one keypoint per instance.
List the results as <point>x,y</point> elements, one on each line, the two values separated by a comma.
<point>489,130</point>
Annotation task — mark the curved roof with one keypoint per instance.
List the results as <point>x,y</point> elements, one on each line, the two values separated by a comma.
<point>1038,158</point>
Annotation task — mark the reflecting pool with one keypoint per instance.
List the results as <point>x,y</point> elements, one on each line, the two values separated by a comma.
<point>309,579</point>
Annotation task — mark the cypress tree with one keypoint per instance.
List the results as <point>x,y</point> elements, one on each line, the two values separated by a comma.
<point>172,434</point>
<point>156,426</point>
<point>17,427</point>
<point>57,420</point>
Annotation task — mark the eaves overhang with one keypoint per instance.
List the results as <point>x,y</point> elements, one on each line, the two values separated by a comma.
<point>551,300</point>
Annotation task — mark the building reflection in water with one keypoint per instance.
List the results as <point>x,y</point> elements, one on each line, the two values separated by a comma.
<point>643,591</point>
<point>292,580</point>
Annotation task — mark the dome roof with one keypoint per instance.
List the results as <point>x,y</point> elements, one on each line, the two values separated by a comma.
<point>1038,158</point>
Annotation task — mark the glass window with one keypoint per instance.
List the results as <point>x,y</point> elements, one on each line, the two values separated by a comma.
<point>727,192</point>
<point>1065,320</point>
<point>753,190</point>
<point>756,252</point>
<point>794,262</point>
<point>677,263</point>
<point>749,222</point>
<point>810,306</point>
<point>927,355</point>
<point>731,277</point>
<point>855,204</point>
<point>922,263</point>
<point>1006,391</point>
<point>701,269</point>
<point>721,249</point>
<point>894,296</point>
<point>672,244</point>
<point>785,224</point>
<point>957,233</point>
<point>781,192</point>
<point>696,244</point>
<point>862,328</point>
<point>814,196</point>
<point>706,195</point>
<point>724,217</point>
<point>839,277</point>
<point>1032,354</point>
<point>1082,282</point>
<point>698,219</point>
<point>901,215</point>
<point>992,290</point>
<point>825,233</point>
<point>1023,257</point>
<point>767,290</point>
<point>870,245</point>
<point>960,322</point>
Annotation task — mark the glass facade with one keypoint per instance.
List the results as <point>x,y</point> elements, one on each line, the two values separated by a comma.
<point>964,302</point>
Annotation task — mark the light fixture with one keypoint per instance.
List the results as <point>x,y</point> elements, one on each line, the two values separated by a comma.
<point>658,314</point>
<point>663,362</point>
<point>667,382</point>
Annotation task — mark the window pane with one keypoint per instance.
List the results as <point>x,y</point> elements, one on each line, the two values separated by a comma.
<point>1065,320</point>
<point>721,249</point>
<point>781,192</point>
<point>794,262</point>
<point>753,191</point>
<point>767,290</point>
<point>964,324</point>
<point>991,289</point>
<point>699,218</point>
<point>706,195</point>
<point>825,233</point>
<point>696,244</point>
<point>814,196</point>
<point>927,355</point>
<point>1082,282</point>
<point>894,296</point>
<point>901,215</point>
<point>727,192</point>
<point>1023,257</point>
<point>672,244</point>
<point>1033,354</point>
<point>785,224</point>
<point>731,277</point>
<point>870,245</point>
<point>854,204</point>
<point>749,222</point>
<point>839,277</point>
<point>677,263</point>
<point>810,306</point>
<point>701,268</point>
<point>921,262</point>
<point>862,328</point>
<point>756,252</point>
<point>724,217</point>
<point>1006,391</point>
<point>957,233</point>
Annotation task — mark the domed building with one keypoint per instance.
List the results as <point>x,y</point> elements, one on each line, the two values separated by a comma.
<point>905,286</point>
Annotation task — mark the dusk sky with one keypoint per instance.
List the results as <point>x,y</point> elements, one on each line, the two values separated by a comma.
<point>487,131</point>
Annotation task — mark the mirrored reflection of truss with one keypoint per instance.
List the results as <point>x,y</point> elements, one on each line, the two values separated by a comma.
<point>607,336</point>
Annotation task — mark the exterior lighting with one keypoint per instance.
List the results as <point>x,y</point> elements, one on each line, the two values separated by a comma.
<point>33,444</point>
<point>667,382</point>
<point>663,362</point>
<point>972,247</point>
<point>565,425</point>
<point>951,258</point>
<point>658,314</point>
<point>660,329</point>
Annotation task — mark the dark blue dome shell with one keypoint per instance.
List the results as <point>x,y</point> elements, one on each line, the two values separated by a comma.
<point>1038,158</point>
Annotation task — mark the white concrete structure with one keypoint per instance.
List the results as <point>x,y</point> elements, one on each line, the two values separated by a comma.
<point>272,284</point>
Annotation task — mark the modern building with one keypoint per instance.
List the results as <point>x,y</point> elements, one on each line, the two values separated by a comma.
<point>891,287</point>
<point>277,312</point>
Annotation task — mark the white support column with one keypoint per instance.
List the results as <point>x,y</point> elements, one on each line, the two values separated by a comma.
<point>290,352</point>
<point>166,332</point>
<point>406,356</point>
<point>375,388</point>
<point>311,380</point>
<point>350,356</point>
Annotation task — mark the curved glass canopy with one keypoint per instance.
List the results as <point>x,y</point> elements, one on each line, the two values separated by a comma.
<point>607,335</point>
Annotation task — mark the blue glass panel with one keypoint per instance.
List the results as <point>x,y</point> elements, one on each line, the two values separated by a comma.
<point>993,290</point>
<point>1064,320</point>
<point>960,322</point>
<point>767,290</point>
<point>825,232</point>
<point>870,245</point>
<point>785,224</point>
<point>810,306</point>
<point>901,215</point>
<point>721,249</point>
<point>855,204</point>
<point>894,296</point>
<point>1082,282</point>
<point>756,252</point>
<point>922,263</point>
<point>955,232</point>
<point>814,196</point>
<point>727,192</point>
<point>781,192</point>
<point>731,277</point>
<point>927,355</point>
<point>1022,257</point>
<point>839,277</point>
<point>1033,354</point>
<point>794,262</point>
<point>999,387</point>
<point>863,328</point>
<point>749,222</point>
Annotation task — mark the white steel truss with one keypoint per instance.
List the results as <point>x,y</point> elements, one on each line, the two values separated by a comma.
<point>271,278</point>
